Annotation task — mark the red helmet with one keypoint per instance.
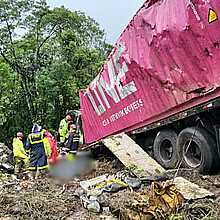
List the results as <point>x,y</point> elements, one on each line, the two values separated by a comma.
<point>68,118</point>
<point>73,126</point>
<point>19,134</point>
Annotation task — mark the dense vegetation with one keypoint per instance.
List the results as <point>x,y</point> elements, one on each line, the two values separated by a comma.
<point>46,56</point>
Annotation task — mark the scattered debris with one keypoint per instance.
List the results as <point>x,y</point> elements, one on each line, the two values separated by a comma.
<point>202,209</point>
<point>111,191</point>
<point>6,159</point>
<point>89,185</point>
<point>90,203</point>
<point>191,190</point>
<point>133,182</point>
<point>158,203</point>
<point>105,217</point>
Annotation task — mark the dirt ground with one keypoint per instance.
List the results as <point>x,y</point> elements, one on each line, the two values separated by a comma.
<point>48,199</point>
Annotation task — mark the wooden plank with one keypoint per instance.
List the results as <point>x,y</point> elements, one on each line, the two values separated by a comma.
<point>132,155</point>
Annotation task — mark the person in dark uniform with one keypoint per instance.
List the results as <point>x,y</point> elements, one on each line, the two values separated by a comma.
<point>35,144</point>
<point>72,143</point>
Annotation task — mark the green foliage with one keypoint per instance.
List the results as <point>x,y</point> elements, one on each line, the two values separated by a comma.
<point>140,171</point>
<point>13,111</point>
<point>132,167</point>
<point>46,56</point>
<point>174,217</point>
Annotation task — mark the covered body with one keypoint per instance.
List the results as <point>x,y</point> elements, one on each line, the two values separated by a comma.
<point>167,60</point>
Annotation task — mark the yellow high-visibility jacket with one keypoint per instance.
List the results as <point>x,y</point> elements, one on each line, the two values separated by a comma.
<point>63,128</point>
<point>18,148</point>
<point>47,147</point>
<point>80,137</point>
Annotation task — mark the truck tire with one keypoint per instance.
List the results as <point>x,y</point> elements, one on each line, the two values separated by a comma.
<point>165,150</point>
<point>197,149</point>
<point>148,146</point>
<point>146,143</point>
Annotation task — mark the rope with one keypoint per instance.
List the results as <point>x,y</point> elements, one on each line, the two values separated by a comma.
<point>180,163</point>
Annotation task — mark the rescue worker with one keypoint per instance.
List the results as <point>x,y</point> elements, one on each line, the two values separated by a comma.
<point>72,142</point>
<point>21,158</point>
<point>72,128</point>
<point>35,144</point>
<point>67,136</point>
<point>63,128</point>
<point>54,153</point>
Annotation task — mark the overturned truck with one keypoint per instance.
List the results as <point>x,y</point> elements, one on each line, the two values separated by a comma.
<point>161,84</point>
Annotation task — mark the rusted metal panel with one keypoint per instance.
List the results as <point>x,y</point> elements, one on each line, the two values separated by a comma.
<point>165,61</point>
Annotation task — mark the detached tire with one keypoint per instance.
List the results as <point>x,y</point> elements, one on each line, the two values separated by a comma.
<point>165,150</point>
<point>197,149</point>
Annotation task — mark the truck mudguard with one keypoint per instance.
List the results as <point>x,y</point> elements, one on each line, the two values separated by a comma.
<point>166,60</point>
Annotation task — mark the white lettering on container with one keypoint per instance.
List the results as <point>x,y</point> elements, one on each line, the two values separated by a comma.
<point>123,112</point>
<point>194,11</point>
<point>115,85</point>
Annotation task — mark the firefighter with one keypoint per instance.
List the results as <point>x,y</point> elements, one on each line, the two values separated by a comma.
<point>21,158</point>
<point>63,128</point>
<point>36,145</point>
<point>72,142</point>
<point>72,128</point>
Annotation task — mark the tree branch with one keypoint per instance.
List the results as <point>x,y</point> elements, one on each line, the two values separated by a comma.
<point>43,42</point>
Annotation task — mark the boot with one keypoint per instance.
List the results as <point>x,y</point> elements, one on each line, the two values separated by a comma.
<point>38,175</point>
<point>43,174</point>
<point>26,165</point>
<point>32,175</point>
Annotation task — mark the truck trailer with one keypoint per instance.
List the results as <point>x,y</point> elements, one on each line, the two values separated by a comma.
<point>161,85</point>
